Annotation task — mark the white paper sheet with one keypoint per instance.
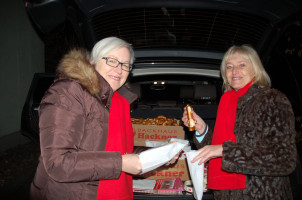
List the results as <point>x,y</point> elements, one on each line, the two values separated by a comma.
<point>196,172</point>
<point>150,143</point>
<point>158,156</point>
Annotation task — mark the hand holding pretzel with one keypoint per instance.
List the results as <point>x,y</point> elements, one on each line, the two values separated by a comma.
<point>200,125</point>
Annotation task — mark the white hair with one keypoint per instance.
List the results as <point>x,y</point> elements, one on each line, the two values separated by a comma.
<point>107,45</point>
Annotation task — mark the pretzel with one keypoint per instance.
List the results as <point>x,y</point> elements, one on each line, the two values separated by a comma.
<point>161,117</point>
<point>137,121</point>
<point>147,122</point>
<point>191,121</point>
<point>159,120</point>
<point>168,122</point>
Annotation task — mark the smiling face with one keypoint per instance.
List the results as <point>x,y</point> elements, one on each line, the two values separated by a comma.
<point>239,71</point>
<point>115,76</point>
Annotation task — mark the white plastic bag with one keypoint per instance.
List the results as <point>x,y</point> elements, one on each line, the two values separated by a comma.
<point>196,172</point>
<point>158,156</point>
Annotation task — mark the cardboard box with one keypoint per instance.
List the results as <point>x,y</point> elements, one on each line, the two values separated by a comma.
<point>179,169</point>
<point>162,133</point>
<point>155,133</point>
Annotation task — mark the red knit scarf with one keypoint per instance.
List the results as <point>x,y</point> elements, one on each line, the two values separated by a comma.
<point>223,131</point>
<point>120,138</point>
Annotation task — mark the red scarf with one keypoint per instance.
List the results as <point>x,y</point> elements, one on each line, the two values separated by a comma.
<point>120,138</point>
<point>223,131</point>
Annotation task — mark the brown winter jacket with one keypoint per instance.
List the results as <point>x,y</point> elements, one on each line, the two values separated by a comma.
<point>265,150</point>
<point>73,123</point>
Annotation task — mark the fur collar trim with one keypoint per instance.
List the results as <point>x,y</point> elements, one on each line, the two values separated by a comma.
<point>76,65</point>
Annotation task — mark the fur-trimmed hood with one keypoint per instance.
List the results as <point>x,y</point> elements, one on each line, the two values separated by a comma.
<point>76,65</point>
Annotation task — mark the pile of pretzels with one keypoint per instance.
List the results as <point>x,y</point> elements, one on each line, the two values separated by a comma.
<point>159,120</point>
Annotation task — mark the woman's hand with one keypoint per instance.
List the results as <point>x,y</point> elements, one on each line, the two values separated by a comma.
<point>208,152</point>
<point>131,164</point>
<point>173,160</point>
<point>200,125</point>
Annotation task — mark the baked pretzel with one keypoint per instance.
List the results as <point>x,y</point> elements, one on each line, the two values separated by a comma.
<point>137,121</point>
<point>168,122</point>
<point>159,120</point>
<point>191,121</point>
<point>161,117</point>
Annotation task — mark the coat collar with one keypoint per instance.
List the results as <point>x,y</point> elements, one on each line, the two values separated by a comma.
<point>251,93</point>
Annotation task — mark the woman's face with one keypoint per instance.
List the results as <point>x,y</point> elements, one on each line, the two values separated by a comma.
<point>239,71</point>
<point>115,76</point>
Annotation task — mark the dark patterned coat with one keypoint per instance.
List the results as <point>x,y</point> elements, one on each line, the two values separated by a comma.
<point>265,150</point>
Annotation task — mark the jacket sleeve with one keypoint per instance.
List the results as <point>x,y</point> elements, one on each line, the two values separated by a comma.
<point>62,126</point>
<point>207,140</point>
<point>268,147</point>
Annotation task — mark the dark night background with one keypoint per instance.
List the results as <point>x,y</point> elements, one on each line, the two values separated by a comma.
<point>284,65</point>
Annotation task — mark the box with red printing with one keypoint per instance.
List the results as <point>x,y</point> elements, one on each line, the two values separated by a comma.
<point>179,169</point>
<point>161,133</point>
<point>155,133</point>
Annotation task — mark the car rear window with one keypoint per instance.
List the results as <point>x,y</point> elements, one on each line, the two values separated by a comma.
<point>208,29</point>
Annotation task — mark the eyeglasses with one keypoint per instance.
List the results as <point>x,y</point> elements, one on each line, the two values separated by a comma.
<point>112,62</point>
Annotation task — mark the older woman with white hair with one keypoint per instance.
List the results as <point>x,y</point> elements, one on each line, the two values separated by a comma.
<point>86,135</point>
<point>251,151</point>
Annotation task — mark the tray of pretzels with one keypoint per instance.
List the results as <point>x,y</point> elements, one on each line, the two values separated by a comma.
<point>159,121</point>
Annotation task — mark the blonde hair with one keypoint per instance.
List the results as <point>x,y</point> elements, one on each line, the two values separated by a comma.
<point>107,45</point>
<point>250,54</point>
